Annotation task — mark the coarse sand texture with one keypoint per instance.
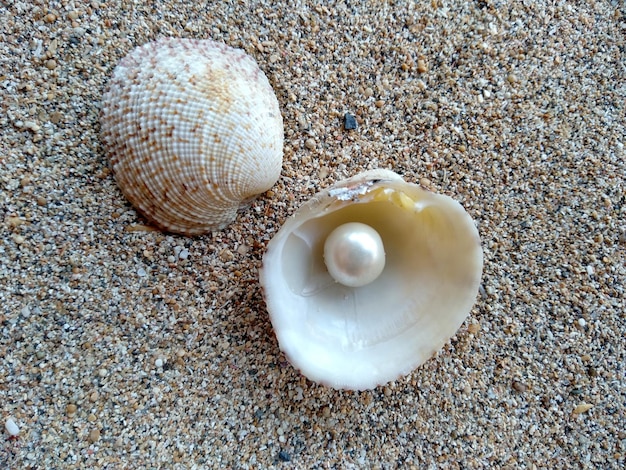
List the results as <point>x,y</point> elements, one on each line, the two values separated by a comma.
<point>124,346</point>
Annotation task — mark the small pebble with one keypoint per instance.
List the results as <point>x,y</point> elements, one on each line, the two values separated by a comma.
<point>31,126</point>
<point>70,409</point>
<point>226,255</point>
<point>310,144</point>
<point>158,363</point>
<point>15,221</point>
<point>284,456</point>
<point>94,435</point>
<point>582,408</point>
<point>421,66</point>
<point>349,122</point>
<point>519,386</point>
<point>12,427</point>
<point>56,117</point>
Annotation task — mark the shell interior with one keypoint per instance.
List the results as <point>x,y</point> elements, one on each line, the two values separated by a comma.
<point>360,337</point>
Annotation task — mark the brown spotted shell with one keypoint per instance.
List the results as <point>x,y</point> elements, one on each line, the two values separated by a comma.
<point>193,130</point>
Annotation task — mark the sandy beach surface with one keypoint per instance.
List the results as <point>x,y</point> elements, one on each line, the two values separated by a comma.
<point>123,347</point>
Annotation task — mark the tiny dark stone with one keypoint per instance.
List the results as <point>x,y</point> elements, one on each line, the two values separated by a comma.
<point>284,456</point>
<point>349,122</point>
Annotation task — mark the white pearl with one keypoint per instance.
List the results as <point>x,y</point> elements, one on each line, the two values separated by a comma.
<point>354,254</point>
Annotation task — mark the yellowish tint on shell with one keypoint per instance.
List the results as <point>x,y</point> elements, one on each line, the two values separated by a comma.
<point>361,337</point>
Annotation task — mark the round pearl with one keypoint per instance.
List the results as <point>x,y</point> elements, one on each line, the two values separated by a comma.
<point>354,254</point>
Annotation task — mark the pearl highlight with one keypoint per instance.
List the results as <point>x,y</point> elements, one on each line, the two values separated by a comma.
<point>354,254</point>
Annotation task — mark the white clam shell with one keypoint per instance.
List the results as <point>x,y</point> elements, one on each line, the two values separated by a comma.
<point>193,130</point>
<point>361,337</point>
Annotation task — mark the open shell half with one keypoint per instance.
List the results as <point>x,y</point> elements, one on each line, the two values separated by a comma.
<point>343,319</point>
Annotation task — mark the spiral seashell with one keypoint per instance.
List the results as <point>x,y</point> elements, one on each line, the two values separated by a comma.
<point>369,279</point>
<point>193,131</point>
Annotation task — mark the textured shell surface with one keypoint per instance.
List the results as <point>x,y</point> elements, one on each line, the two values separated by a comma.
<point>193,131</point>
<point>361,337</point>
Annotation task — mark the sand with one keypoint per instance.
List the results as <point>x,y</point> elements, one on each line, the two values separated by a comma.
<point>124,347</point>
